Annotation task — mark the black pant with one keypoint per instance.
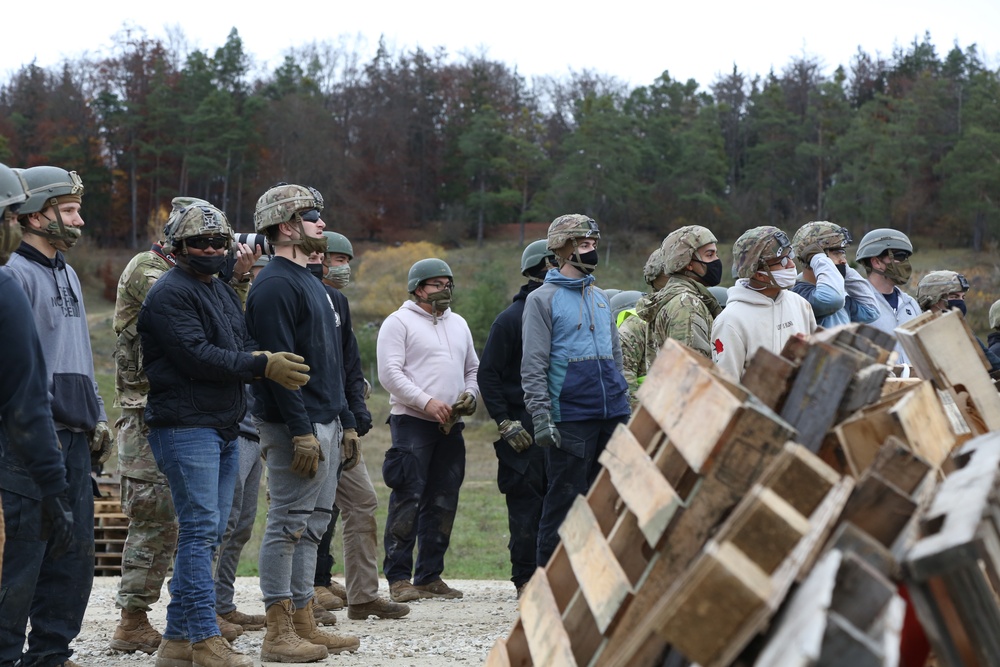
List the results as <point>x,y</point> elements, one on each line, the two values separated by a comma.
<point>521,478</point>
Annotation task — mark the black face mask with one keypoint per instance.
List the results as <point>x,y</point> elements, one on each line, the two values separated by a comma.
<point>842,268</point>
<point>713,272</point>
<point>958,304</point>
<point>208,266</point>
<point>587,262</point>
<point>317,270</point>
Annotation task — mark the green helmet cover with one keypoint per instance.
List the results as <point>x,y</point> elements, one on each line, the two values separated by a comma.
<point>339,243</point>
<point>534,253</point>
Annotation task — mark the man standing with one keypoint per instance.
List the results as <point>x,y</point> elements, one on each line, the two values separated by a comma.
<point>571,371</point>
<point>300,431</point>
<point>520,467</point>
<point>885,254</point>
<point>197,356</point>
<point>683,308</point>
<point>428,364</point>
<point>761,310</point>
<point>837,293</point>
<point>55,591</point>
<point>38,521</point>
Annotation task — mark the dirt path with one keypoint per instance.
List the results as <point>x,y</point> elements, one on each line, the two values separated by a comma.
<point>436,632</point>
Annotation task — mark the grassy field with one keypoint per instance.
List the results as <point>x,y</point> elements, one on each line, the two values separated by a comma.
<point>486,278</point>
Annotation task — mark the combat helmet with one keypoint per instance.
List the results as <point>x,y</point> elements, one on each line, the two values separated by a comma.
<point>624,300</point>
<point>193,217</point>
<point>425,269</point>
<point>570,227</point>
<point>995,316</point>
<point>877,241</point>
<point>50,186</point>
<point>282,202</point>
<point>13,193</point>
<point>534,254</point>
<point>937,285</point>
<point>820,234</point>
<point>339,243</point>
<point>756,246</point>
<point>654,267</point>
<point>680,245</point>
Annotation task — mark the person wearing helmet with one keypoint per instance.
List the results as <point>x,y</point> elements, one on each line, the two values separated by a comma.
<point>33,480</point>
<point>356,497</point>
<point>301,431</point>
<point>721,295</point>
<point>428,364</point>
<point>682,308</point>
<point>152,530</point>
<point>197,356</point>
<point>520,467</point>
<point>837,293</point>
<point>885,254</point>
<point>632,336</point>
<point>993,340</point>
<point>941,291</point>
<point>571,371</point>
<point>50,221</point>
<point>761,311</point>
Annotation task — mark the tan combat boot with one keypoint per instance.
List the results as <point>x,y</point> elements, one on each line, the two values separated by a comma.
<point>229,631</point>
<point>281,644</point>
<point>324,598</point>
<point>248,622</point>
<point>305,627</point>
<point>174,653</point>
<point>134,633</point>
<point>216,652</point>
<point>338,589</point>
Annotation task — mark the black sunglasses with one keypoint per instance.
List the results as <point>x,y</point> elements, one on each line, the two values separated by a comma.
<point>900,255</point>
<point>310,216</point>
<point>203,242</point>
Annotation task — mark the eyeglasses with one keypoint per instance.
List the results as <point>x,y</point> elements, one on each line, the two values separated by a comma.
<point>204,242</point>
<point>784,262</point>
<point>310,216</point>
<point>440,286</point>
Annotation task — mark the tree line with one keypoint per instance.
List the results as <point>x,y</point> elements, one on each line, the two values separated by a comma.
<point>402,140</point>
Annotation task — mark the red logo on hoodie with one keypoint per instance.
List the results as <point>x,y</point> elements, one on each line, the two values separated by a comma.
<point>718,346</point>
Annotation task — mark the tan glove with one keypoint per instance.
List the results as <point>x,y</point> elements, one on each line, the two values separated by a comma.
<point>308,454</point>
<point>515,435</point>
<point>465,405</point>
<point>350,448</point>
<point>285,368</point>
<point>101,443</point>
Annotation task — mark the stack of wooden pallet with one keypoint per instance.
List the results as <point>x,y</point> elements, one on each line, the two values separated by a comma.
<point>110,529</point>
<point>719,497</point>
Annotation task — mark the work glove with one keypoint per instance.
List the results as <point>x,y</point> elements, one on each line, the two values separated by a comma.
<point>350,448</point>
<point>465,405</point>
<point>515,435</point>
<point>286,368</point>
<point>57,526</point>
<point>101,443</point>
<point>546,433</point>
<point>368,389</point>
<point>308,454</point>
<point>810,251</point>
<point>364,420</point>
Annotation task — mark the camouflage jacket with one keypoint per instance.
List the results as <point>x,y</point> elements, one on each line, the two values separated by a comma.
<point>683,310</point>
<point>131,385</point>
<point>632,334</point>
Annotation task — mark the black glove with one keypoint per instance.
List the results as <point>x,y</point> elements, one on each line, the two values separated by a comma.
<point>57,523</point>
<point>546,433</point>
<point>364,421</point>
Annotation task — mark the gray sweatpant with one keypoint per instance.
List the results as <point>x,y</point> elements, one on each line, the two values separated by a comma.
<point>298,515</point>
<point>241,520</point>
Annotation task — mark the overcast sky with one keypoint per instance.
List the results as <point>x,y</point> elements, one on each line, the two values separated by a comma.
<point>631,39</point>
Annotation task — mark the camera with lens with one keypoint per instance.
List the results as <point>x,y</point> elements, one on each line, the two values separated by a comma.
<point>255,241</point>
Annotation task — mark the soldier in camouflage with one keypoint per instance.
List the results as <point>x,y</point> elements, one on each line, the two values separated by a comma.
<point>682,308</point>
<point>632,336</point>
<point>941,291</point>
<point>152,532</point>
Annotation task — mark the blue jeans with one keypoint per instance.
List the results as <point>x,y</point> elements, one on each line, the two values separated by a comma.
<point>425,469</point>
<point>201,467</point>
<point>53,592</point>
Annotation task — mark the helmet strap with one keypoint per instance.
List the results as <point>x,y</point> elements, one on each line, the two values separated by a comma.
<point>56,238</point>
<point>586,269</point>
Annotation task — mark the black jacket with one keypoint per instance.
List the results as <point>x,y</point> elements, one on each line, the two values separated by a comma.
<point>993,342</point>
<point>196,352</point>
<point>353,376</point>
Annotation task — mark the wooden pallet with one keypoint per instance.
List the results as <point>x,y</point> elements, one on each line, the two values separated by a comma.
<point>110,529</point>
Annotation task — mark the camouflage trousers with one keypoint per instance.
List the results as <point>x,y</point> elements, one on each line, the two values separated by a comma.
<point>152,530</point>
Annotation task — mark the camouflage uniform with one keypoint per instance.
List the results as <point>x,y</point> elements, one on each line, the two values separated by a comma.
<point>146,501</point>
<point>632,335</point>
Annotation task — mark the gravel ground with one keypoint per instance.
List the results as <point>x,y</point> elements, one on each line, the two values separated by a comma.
<point>436,632</point>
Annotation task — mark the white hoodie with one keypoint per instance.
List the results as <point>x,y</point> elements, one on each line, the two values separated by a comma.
<point>751,320</point>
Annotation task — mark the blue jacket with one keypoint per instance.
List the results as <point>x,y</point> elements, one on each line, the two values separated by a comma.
<point>572,360</point>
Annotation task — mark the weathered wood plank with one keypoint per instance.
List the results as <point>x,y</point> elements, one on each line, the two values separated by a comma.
<point>816,394</point>
<point>765,528</point>
<point>879,508</point>
<point>547,639</point>
<point>498,656</point>
<point>923,424</point>
<point>768,377</point>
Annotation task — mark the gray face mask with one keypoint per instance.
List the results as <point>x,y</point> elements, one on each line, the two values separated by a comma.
<point>339,276</point>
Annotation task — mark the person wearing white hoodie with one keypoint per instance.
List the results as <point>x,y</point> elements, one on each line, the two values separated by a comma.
<point>761,310</point>
<point>427,363</point>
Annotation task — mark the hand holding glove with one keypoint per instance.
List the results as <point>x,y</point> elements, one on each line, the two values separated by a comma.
<point>57,525</point>
<point>546,433</point>
<point>350,448</point>
<point>101,443</point>
<point>285,368</point>
<point>465,406</point>
<point>515,435</point>
<point>364,420</point>
<point>308,454</point>
<point>810,251</point>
